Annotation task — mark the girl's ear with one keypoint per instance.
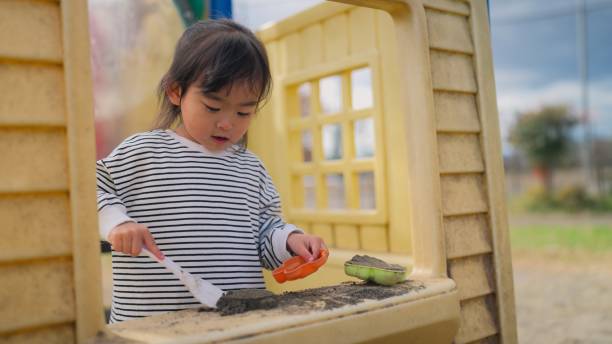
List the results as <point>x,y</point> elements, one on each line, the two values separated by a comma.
<point>174,94</point>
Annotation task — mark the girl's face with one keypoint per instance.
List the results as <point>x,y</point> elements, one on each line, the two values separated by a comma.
<point>215,120</point>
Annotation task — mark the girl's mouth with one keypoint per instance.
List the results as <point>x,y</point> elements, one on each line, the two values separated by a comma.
<point>220,139</point>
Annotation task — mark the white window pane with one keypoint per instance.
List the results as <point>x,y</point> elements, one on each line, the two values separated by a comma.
<point>304,93</point>
<point>367,195</point>
<point>307,145</point>
<point>330,94</point>
<point>335,191</point>
<point>364,138</point>
<point>309,192</point>
<point>332,142</point>
<point>361,88</point>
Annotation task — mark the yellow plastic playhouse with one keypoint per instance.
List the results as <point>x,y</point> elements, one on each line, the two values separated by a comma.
<point>382,136</point>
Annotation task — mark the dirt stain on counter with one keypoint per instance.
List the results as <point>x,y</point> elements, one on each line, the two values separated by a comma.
<point>323,298</point>
<point>242,300</point>
<point>253,306</point>
<point>348,293</point>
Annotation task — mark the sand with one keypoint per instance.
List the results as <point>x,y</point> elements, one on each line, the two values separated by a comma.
<point>375,263</point>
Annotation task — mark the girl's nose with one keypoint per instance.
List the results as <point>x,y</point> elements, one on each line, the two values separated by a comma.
<point>224,124</point>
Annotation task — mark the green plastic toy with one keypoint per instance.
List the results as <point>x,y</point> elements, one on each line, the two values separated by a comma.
<point>375,270</point>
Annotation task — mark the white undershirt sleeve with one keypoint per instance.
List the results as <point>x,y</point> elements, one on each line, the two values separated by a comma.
<point>279,241</point>
<point>110,217</point>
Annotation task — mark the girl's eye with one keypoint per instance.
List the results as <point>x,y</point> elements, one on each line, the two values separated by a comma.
<point>243,114</point>
<point>211,109</point>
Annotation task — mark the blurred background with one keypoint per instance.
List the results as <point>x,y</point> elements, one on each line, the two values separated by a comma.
<point>553,74</point>
<point>553,71</point>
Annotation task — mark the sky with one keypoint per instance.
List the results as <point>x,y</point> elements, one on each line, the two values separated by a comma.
<point>534,52</point>
<point>255,13</point>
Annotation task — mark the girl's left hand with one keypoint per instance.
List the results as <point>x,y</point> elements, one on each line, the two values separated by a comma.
<point>305,245</point>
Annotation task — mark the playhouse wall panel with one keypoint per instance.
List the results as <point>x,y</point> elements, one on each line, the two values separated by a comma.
<point>320,40</point>
<point>34,226</point>
<point>473,275</point>
<point>60,334</point>
<point>50,273</point>
<point>264,120</point>
<point>36,294</point>
<point>477,319</point>
<point>460,153</point>
<point>32,95</point>
<point>290,56</point>
<point>374,238</point>
<point>463,194</point>
<point>335,31</point>
<point>467,235</point>
<point>347,236</point>
<point>362,36</point>
<point>30,30</point>
<point>456,112</point>
<point>325,231</point>
<point>449,6</point>
<point>34,159</point>
<point>311,44</point>
<point>452,72</point>
<point>449,32</point>
<point>395,138</point>
<point>274,59</point>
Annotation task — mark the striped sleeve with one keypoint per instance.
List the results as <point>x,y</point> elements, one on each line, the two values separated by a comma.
<point>111,210</point>
<point>273,231</point>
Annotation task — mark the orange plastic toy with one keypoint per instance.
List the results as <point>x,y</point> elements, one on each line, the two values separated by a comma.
<point>296,267</point>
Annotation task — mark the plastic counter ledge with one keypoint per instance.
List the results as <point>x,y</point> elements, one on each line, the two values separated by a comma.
<point>428,314</point>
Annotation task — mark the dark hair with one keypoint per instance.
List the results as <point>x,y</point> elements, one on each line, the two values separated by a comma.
<point>215,53</point>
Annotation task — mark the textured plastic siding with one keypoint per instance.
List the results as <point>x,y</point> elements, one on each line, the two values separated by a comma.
<point>49,260</point>
<point>463,173</point>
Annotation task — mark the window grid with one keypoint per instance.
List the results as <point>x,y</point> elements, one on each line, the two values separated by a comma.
<point>348,165</point>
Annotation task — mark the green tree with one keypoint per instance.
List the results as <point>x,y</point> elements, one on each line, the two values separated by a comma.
<point>544,136</point>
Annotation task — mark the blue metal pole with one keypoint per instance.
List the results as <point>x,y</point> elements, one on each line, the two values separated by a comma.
<point>489,13</point>
<point>220,9</point>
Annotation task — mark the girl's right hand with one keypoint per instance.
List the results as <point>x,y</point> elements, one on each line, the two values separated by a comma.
<point>131,237</point>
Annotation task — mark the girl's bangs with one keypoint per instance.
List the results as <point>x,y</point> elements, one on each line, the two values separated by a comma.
<point>236,65</point>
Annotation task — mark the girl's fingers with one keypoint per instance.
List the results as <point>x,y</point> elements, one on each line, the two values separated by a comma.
<point>116,243</point>
<point>149,243</point>
<point>136,246</point>
<point>301,250</point>
<point>127,244</point>
<point>315,247</point>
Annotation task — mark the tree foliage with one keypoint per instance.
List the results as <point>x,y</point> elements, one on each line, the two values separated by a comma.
<point>544,136</point>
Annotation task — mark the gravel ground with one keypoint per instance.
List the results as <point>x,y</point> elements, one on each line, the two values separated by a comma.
<point>563,298</point>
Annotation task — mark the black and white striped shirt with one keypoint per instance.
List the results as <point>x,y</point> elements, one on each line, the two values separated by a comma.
<point>216,215</point>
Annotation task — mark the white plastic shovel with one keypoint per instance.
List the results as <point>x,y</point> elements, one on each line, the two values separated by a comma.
<point>206,292</point>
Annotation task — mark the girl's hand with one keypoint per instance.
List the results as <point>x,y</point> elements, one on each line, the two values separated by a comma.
<point>305,245</point>
<point>131,237</point>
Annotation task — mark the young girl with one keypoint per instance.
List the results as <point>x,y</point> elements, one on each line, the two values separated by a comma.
<point>195,193</point>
